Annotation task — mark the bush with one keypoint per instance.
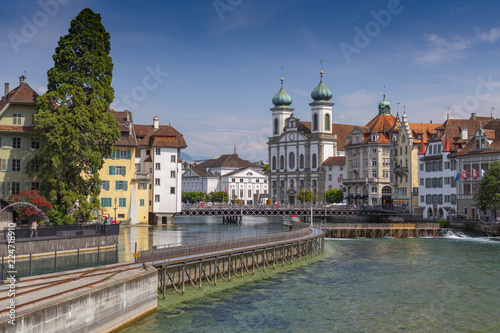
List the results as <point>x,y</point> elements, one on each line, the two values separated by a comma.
<point>441,222</point>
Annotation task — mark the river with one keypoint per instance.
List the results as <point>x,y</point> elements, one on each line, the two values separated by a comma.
<point>358,285</point>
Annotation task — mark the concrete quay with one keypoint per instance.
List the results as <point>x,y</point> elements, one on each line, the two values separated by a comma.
<point>98,299</point>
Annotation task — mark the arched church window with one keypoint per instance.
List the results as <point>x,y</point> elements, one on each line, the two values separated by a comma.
<point>274,163</point>
<point>291,160</point>
<point>282,162</point>
<point>314,162</point>
<point>301,161</point>
<point>327,122</point>
<point>315,122</point>
<point>275,126</point>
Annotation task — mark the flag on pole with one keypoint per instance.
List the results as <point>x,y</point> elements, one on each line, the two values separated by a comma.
<point>225,189</point>
<point>475,174</point>
<point>483,173</point>
<point>457,177</point>
<point>339,179</point>
<point>465,175</point>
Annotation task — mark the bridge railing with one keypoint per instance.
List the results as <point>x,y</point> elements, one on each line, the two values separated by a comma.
<point>171,251</point>
<point>422,225</point>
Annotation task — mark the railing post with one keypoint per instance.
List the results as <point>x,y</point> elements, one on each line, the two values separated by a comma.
<point>2,267</point>
<point>98,255</point>
<point>55,261</point>
<point>30,266</point>
<point>78,258</point>
<point>116,253</point>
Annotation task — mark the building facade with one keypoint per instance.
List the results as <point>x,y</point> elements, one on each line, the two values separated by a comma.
<point>405,145</point>
<point>17,108</point>
<point>438,168</point>
<point>334,168</point>
<point>368,154</point>
<point>240,179</point>
<point>297,150</point>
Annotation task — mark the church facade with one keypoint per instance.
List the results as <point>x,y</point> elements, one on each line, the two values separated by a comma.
<point>297,149</point>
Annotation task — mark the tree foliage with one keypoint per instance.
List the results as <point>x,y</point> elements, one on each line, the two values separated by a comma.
<point>304,196</point>
<point>220,196</point>
<point>29,213</point>
<point>488,195</point>
<point>193,197</point>
<point>334,196</point>
<point>71,122</point>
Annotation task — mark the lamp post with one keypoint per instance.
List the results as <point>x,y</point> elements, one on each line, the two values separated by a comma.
<point>116,200</point>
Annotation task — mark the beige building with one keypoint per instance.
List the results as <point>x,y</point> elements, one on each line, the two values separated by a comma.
<point>405,146</point>
<point>368,155</point>
<point>17,108</point>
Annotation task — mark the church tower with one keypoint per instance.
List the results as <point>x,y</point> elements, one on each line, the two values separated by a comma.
<point>321,108</point>
<point>281,110</point>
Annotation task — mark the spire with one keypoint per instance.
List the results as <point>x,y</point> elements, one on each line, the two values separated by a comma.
<point>282,99</point>
<point>384,107</point>
<point>421,151</point>
<point>447,148</point>
<point>321,93</point>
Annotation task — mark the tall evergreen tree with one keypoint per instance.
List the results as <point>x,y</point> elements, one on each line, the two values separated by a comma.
<point>71,122</point>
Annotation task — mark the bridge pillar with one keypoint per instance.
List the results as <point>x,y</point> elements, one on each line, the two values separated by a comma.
<point>163,219</point>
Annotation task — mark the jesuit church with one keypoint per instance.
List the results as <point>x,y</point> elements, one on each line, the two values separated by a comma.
<point>297,149</point>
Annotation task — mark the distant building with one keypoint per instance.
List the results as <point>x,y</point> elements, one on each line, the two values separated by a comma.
<point>17,108</point>
<point>368,153</point>
<point>298,149</point>
<point>239,178</point>
<point>406,141</point>
<point>475,158</point>
<point>439,168</point>
<point>334,168</point>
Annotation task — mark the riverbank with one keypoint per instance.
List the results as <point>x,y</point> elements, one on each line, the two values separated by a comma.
<point>487,228</point>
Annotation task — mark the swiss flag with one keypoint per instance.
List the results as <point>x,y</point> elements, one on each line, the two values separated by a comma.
<point>339,179</point>
<point>465,175</point>
<point>475,174</point>
<point>225,189</point>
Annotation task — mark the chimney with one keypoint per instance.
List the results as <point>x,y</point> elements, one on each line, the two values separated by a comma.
<point>463,133</point>
<point>156,123</point>
<point>128,116</point>
<point>6,89</point>
<point>473,115</point>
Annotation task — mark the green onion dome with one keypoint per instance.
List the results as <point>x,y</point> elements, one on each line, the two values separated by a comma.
<point>321,93</point>
<point>282,99</point>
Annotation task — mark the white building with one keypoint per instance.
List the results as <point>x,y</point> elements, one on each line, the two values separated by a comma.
<point>334,172</point>
<point>438,167</point>
<point>158,157</point>
<point>239,178</point>
<point>298,149</point>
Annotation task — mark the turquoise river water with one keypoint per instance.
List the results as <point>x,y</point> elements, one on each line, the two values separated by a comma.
<point>358,285</point>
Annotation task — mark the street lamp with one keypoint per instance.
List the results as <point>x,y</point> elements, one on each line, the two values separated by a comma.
<point>116,200</point>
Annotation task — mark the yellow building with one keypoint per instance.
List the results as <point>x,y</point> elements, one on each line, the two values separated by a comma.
<point>17,108</point>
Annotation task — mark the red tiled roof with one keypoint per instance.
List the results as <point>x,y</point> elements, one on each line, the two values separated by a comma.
<point>8,128</point>
<point>21,94</point>
<point>452,128</point>
<point>125,127</point>
<point>165,136</point>
<point>335,160</point>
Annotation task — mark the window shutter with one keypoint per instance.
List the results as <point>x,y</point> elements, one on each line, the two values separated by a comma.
<point>124,171</point>
<point>7,142</point>
<point>113,154</point>
<point>117,185</point>
<point>125,186</point>
<point>4,164</point>
<point>112,169</point>
<point>129,154</point>
<point>107,185</point>
<point>25,143</point>
<point>9,165</point>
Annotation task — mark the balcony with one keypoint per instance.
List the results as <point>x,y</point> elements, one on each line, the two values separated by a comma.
<point>142,176</point>
<point>355,180</point>
<point>400,170</point>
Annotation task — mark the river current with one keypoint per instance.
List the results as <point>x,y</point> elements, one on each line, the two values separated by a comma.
<point>358,285</point>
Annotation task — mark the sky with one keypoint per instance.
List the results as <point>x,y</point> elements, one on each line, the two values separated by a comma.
<point>210,68</point>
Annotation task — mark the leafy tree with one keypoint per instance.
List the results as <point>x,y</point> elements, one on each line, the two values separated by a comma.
<point>334,196</point>
<point>71,122</point>
<point>29,213</point>
<point>266,169</point>
<point>304,196</point>
<point>193,197</point>
<point>218,196</point>
<point>488,195</point>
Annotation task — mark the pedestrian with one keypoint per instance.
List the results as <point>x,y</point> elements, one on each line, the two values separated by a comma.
<point>105,220</point>
<point>34,229</point>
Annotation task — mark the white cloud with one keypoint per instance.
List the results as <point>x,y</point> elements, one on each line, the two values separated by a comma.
<point>443,50</point>
<point>42,90</point>
<point>491,36</point>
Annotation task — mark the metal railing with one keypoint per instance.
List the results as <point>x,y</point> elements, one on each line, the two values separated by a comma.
<point>24,233</point>
<point>169,251</point>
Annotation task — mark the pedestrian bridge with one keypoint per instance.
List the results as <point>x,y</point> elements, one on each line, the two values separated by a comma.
<point>299,210</point>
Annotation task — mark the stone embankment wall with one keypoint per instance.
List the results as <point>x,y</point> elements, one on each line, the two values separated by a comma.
<point>35,245</point>
<point>106,308</point>
<point>490,228</point>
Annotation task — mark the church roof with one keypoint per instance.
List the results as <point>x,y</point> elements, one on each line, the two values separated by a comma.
<point>227,161</point>
<point>321,93</point>
<point>281,99</point>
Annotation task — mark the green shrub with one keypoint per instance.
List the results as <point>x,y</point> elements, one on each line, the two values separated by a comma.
<point>441,222</point>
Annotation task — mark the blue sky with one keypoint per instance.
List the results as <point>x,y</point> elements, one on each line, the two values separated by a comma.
<point>211,68</point>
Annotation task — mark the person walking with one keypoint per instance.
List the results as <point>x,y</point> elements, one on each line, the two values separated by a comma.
<point>34,229</point>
